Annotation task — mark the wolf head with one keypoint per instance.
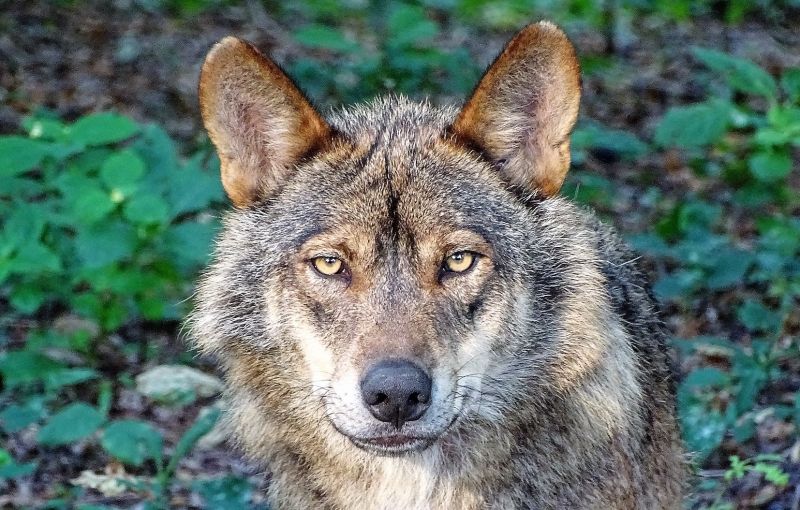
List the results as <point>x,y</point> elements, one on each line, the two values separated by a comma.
<point>396,269</point>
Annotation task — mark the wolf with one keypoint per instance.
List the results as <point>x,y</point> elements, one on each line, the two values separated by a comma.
<point>409,316</point>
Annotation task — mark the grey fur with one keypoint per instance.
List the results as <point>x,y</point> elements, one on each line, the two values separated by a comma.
<point>575,406</point>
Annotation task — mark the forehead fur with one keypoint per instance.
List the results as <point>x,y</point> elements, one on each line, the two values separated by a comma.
<point>406,120</point>
<point>395,171</point>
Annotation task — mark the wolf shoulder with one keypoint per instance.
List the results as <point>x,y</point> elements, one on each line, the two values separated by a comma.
<point>581,227</point>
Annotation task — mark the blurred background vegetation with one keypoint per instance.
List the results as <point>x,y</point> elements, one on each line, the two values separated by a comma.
<point>109,200</point>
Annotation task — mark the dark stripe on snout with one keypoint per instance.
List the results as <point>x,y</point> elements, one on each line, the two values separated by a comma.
<point>475,307</point>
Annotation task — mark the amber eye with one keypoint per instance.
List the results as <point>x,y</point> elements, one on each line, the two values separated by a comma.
<point>459,262</point>
<point>328,266</point>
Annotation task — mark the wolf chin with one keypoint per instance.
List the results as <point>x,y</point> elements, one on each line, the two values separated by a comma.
<point>407,314</point>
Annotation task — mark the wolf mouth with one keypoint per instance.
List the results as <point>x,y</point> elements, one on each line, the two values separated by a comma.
<point>393,444</point>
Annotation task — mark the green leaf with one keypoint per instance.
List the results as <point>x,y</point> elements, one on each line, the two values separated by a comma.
<point>19,154</point>
<point>192,188</point>
<point>755,195</point>
<point>105,243</point>
<point>650,244</point>
<point>741,74</point>
<point>784,118</point>
<point>697,215</point>
<point>159,153</point>
<point>703,429</point>
<point>767,137</point>
<point>132,441</point>
<point>790,82</point>
<point>19,187</point>
<point>122,280</point>
<point>779,234</point>
<point>737,469</point>
<point>25,367</point>
<point>102,129</point>
<point>33,258</point>
<point>751,381</point>
<point>595,136</point>
<point>146,209</point>
<point>325,38</point>
<point>757,317</point>
<point>23,223</point>
<point>90,204</point>
<point>734,14</point>
<point>72,423</point>
<point>704,379</point>
<point>729,268</point>
<point>16,417</point>
<point>227,493</point>
<point>679,284</point>
<point>189,243</point>
<point>408,25</point>
<point>105,394</point>
<point>68,376</point>
<point>43,128</point>
<point>590,189</point>
<point>693,126</point>
<point>744,430</point>
<point>770,166</point>
<point>14,470</point>
<point>108,311</point>
<point>152,307</point>
<point>121,171</point>
<point>27,298</point>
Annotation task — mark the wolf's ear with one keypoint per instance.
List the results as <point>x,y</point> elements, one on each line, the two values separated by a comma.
<point>523,110</point>
<point>260,123</point>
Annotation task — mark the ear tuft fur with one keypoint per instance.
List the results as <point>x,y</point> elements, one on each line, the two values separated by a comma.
<point>524,108</point>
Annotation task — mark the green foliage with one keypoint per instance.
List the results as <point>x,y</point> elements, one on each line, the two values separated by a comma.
<point>74,422</point>
<point>767,465</point>
<point>98,230</point>
<point>756,164</point>
<point>591,135</point>
<point>132,442</point>
<point>742,75</point>
<point>9,468</point>
<point>392,51</point>
<point>694,126</point>
<point>103,220</point>
<point>713,401</point>
<point>227,493</point>
<point>94,130</point>
<point>746,142</point>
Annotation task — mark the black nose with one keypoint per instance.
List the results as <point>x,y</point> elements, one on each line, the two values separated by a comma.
<point>396,391</point>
